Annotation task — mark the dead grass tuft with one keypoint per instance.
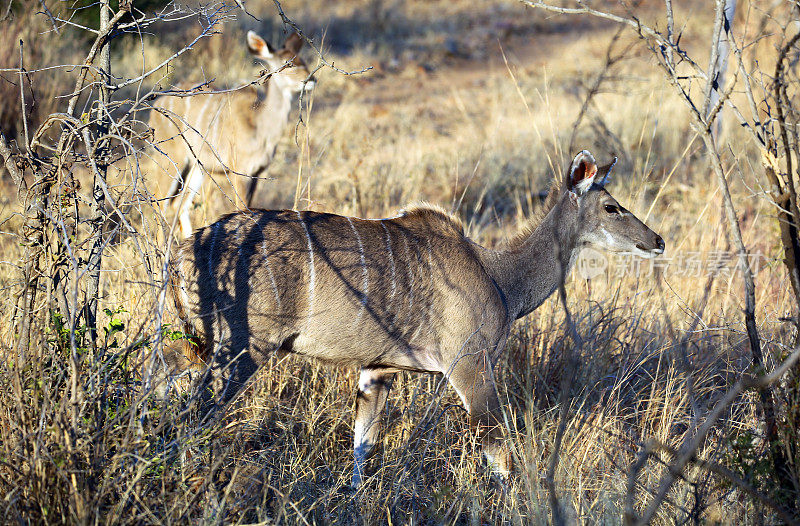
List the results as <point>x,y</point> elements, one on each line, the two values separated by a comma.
<point>443,118</point>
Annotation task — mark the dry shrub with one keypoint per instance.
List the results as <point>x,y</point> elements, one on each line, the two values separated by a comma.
<point>81,441</point>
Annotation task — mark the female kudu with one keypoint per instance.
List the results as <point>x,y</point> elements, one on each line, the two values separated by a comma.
<point>405,293</point>
<point>228,132</point>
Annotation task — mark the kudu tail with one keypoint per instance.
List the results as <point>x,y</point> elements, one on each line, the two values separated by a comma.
<point>192,345</point>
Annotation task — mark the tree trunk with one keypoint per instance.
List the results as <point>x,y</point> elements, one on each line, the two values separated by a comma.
<point>98,196</point>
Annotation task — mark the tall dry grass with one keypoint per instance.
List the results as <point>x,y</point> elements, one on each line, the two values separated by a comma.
<point>471,110</point>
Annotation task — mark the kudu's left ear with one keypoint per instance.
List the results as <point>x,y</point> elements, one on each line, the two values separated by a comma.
<point>582,173</point>
<point>293,43</point>
<point>604,171</point>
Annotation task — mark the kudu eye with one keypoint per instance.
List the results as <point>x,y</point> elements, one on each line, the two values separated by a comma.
<point>612,209</point>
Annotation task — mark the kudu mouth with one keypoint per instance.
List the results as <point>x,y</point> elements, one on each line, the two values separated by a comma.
<point>652,251</point>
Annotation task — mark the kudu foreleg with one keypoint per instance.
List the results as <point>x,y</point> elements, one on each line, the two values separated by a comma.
<point>251,187</point>
<point>183,203</point>
<point>473,379</point>
<point>373,388</point>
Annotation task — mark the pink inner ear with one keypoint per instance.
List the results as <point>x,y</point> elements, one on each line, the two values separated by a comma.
<point>579,174</point>
<point>256,45</point>
<point>585,171</point>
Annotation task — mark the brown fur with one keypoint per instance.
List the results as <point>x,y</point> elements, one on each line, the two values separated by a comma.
<point>405,293</point>
<point>434,212</point>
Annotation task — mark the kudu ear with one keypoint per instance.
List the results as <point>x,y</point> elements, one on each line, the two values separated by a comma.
<point>582,173</point>
<point>293,43</point>
<point>258,46</point>
<point>604,171</point>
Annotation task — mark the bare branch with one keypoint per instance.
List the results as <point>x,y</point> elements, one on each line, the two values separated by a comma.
<point>8,160</point>
<point>288,21</point>
<point>97,45</point>
<point>689,450</point>
<point>22,98</point>
<point>634,23</point>
<point>48,13</point>
<point>711,76</point>
<point>207,31</point>
<point>670,33</point>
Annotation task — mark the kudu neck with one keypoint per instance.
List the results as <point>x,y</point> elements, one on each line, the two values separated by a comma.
<point>276,107</point>
<point>530,270</point>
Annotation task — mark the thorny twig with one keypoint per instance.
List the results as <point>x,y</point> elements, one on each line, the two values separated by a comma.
<point>652,446</point>
<point>689,450</point>
<point>701,115</point>
<point>288,21</point>
<point>642,29</point>
<point>49,15</point>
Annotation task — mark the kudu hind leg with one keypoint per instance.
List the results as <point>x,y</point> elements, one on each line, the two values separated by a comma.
<point>473,379</point>
<point>373,389</point>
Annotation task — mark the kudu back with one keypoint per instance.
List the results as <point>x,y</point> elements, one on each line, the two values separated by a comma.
<point>232,134</point>
<point>405,293</point>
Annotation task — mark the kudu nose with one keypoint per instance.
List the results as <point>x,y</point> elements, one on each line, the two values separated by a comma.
<point>660,243</point>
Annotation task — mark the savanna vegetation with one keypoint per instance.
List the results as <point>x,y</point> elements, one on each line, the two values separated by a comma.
<point>663,391</point>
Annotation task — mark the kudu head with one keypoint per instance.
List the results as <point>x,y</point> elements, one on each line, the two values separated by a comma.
<point>597,219</point>
<point>289,71</point>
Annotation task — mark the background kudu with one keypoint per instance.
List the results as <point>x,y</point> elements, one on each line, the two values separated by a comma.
<point>229,133</point>
<point>405,293</point>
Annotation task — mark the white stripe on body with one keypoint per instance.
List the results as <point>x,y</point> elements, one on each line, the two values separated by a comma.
<point>312,277</point>
<point>425,321</point>
<point>217,142</point>
<point>199,125</point>
<point>182,283</point>
<point>188,105</point>
<point>391,260</point>
<point>196,176</point>
<point>429,318</point>
<point>365,283</point>
<point>238,240</point>
<point>211,121</point>
<point>430,252</point>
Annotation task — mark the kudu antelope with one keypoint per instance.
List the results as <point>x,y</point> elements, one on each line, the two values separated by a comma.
<point>230,133</point>
<point>386,295</point>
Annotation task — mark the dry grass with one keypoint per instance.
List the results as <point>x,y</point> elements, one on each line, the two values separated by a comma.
<point>443,117</point>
